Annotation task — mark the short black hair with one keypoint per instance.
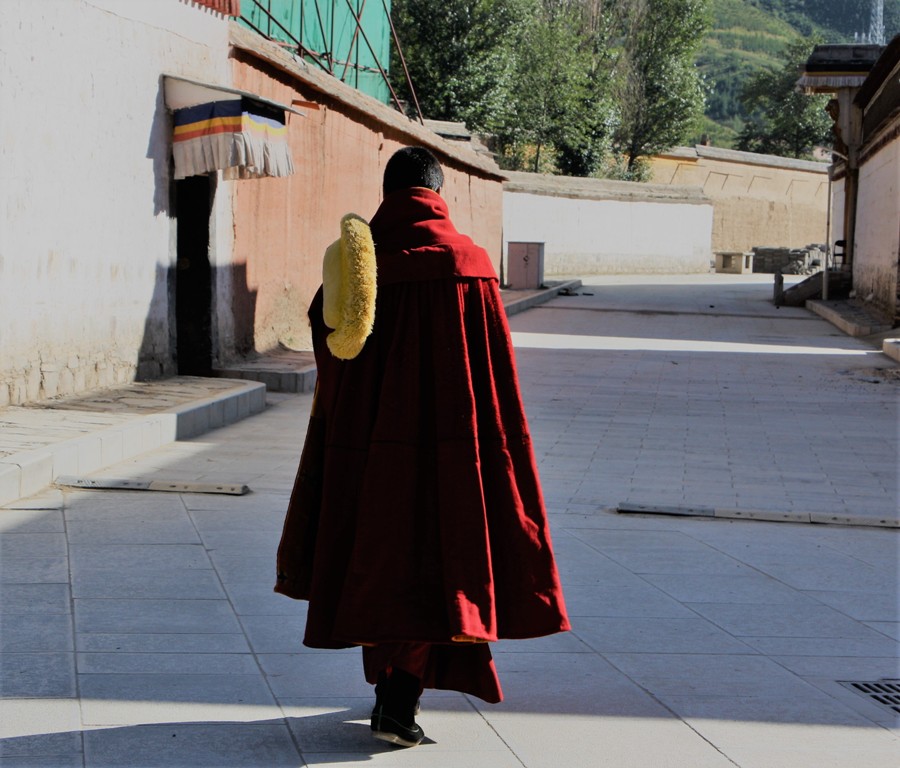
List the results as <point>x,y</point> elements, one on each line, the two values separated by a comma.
<point>413,167</point>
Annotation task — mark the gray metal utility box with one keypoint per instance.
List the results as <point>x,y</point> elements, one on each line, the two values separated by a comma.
<point>524,265</point>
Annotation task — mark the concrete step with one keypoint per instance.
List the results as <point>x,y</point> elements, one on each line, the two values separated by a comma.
<point>852,317</point>
<point>81,434</point>
<point>281,371</point>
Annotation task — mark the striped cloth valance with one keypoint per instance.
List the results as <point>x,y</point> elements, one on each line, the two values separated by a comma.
<point>244,138</point>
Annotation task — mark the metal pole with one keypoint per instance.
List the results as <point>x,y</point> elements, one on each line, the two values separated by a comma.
<point>384,74</point>
<point>827,238</point>
<point>409,82</point>
<point>328,52</point>
<point>300,47</point>
<point>354,42</point>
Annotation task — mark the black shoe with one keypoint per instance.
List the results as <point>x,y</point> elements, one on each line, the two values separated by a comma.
<point>387,728</point>
<point>396,707</point>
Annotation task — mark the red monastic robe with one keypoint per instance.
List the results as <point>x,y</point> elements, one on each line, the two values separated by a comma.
<point>417,514</point>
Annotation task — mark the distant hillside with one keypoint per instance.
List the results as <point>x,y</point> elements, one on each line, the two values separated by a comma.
<point>748,35</point>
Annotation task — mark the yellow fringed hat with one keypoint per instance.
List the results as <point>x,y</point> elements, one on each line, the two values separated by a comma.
<point>348,288</point>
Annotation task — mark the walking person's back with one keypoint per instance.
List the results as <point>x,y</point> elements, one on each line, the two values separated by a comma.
<point>417,526</point>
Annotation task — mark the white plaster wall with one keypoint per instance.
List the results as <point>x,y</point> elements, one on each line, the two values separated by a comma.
<point>837,211</point>
<point>86,238</point>
<point>878,228</point>
<point>585,237</point>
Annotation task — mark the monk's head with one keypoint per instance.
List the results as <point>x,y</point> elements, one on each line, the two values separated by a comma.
<point>413,167</point>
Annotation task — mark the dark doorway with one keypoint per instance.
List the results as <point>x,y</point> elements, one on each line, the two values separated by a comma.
<point>193,275</point>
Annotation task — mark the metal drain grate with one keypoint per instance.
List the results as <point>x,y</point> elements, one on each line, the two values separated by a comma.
<point>884,692</point>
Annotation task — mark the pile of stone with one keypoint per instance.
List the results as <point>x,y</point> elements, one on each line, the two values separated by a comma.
<point>789,261</point>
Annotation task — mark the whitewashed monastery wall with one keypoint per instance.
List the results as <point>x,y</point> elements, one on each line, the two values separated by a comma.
<point>593,226</point>
<point>87,234</point>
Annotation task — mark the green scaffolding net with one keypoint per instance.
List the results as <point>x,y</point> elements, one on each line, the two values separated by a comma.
<point>330,37</point>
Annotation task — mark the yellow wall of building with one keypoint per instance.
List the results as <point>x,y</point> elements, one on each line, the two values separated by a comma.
<point>877,248</point>
<point>758,200</point>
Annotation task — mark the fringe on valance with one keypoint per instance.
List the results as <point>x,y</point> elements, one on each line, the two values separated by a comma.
<point>243,139</point>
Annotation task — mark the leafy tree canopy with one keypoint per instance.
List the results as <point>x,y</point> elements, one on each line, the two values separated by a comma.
<point>660,93</point>
<point>460,55</point>
<point>588,87</point>
<point>561,94</point>
<point>782,121</point>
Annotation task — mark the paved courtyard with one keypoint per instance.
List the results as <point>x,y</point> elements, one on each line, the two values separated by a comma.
<point>139,629</point>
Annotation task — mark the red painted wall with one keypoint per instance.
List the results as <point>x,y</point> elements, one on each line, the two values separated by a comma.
<point>283,225</point>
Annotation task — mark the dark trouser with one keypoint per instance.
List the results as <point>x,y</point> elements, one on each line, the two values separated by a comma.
<point>465,667</point>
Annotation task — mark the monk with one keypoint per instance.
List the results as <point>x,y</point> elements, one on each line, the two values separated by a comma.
<point>416,528</point>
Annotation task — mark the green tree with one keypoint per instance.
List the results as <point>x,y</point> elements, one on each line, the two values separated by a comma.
<point>660,94</point>
<point>583,140</point>
<point>461,56</point>
<point>553,98</point>
<point>781,120</point>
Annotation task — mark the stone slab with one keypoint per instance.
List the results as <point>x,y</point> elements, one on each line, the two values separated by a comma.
<point>891,347</point>
<point>265,744</point>
<point>82,434</point>
<point>852,318</point>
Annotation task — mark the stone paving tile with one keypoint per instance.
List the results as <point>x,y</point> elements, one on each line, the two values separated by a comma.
<point>727,669</point>
<point>200,745</point>
<point>276,634</point>
<point>160,583</point>
<point>889,628</point>
<point>122,506</point>
<point>780,620</point>
<point>33,570</point>
<point>580,565</point>
<point>232,567</point>
<point>868,644</point>
<point>541,740</point>
<point>35,633</point>
<point>300,675</point>
<point>149,615</point>
<point>153,643</point>
<point>36,675</point>
<point>563,642</point>
<point>32,545</point>
<point>657,635</point>
<point>148,558</point>
<point>100,532</point>
<point>258,543</point>
<point>259,599</point>
<point>752,587</point>
<point>636,600</point>
<point>35,599</point>
<point>863,668</point>
<point>753,744</point>
<point>267,516</point>
<point>53,750</point>
<point>168,662</point>
<point>128,699</point>
<point>569,683</point>
<point>32,520</point>
<point>839,575</point>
